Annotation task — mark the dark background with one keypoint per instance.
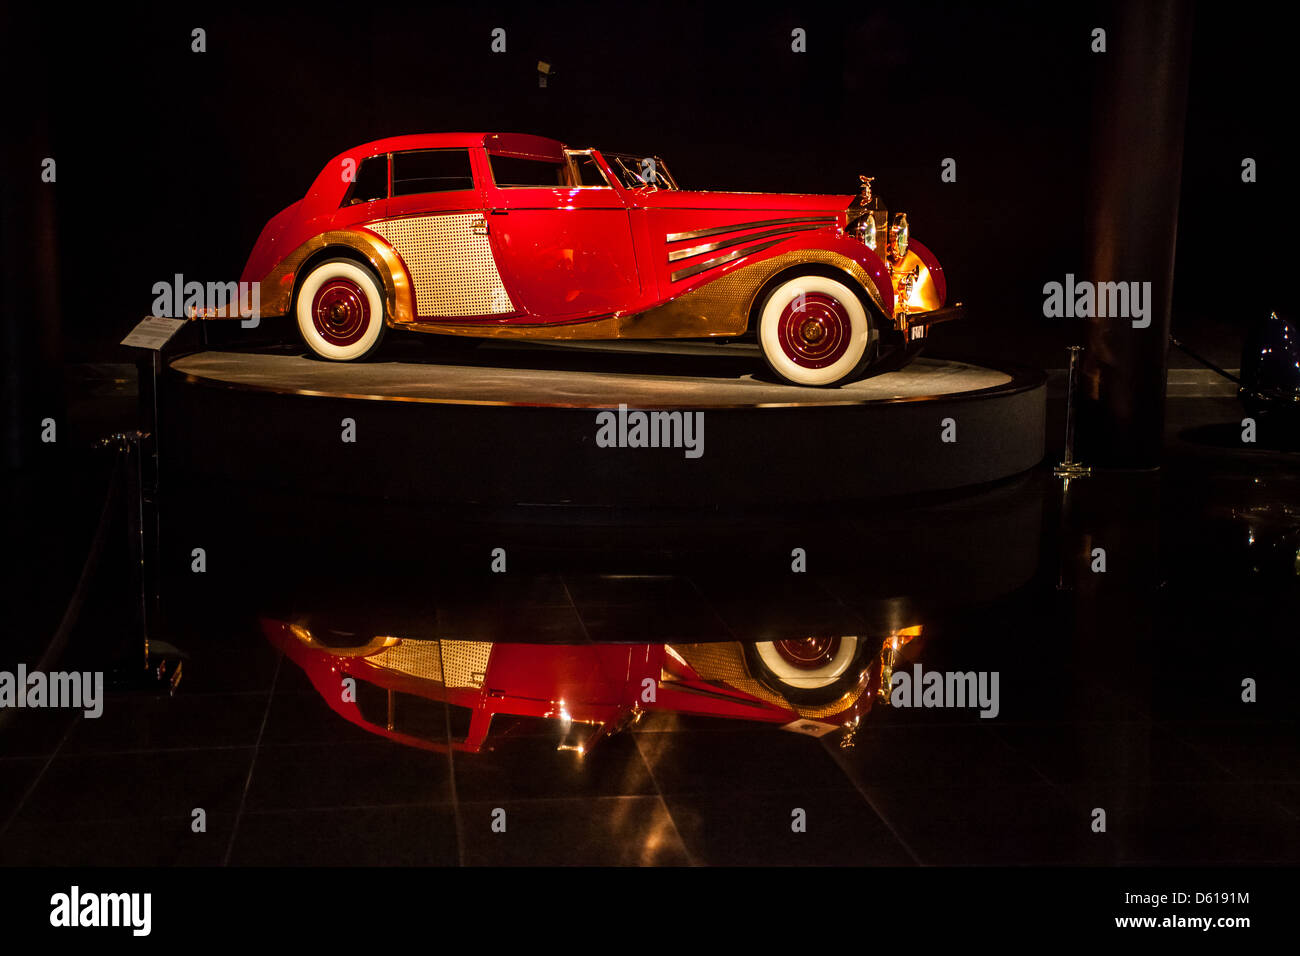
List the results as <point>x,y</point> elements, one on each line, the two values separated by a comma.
<point>171,161</point>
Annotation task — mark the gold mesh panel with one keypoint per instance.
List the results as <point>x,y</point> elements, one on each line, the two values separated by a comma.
<point>451,268</point>
<point>725,663</point>
<point>466,662</point>
<point>460,663</point>
<point>422,659</point>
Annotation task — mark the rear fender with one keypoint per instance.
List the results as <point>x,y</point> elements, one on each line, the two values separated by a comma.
<point>278,286</point>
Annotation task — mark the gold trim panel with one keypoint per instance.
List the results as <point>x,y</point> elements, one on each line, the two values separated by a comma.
<point>722,307</point>
<point>277,287</point>
<point>601,327</point>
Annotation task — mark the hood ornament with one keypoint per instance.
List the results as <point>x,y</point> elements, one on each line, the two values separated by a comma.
<point>867,199</point>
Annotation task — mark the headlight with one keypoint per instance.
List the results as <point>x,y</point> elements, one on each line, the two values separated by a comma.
<point>899,236</point>
<point>866,230</point>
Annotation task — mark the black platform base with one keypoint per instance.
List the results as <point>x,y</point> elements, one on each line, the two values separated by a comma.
<point>515,426</point>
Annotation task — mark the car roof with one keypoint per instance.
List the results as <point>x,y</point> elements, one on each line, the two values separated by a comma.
<point>328,187</point>
<point>522,145</point>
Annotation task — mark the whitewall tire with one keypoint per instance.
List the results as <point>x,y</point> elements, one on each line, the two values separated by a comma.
<point>813,330</point>
<point>340,310</point>
<point>809,664</point>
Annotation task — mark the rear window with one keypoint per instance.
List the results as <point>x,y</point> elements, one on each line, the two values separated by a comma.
<point>512,172</point>
<point>371,181</point>
<point>431,171</point>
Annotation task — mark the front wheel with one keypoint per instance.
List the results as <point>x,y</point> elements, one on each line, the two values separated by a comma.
<point>813,330</point>
<point>340,311</point>
<point>808,670</point>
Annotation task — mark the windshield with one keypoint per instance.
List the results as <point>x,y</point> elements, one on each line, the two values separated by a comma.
<point>636,172</point>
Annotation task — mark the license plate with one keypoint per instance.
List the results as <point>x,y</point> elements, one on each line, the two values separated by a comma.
<point>813,728</point>
<point>918,332</point>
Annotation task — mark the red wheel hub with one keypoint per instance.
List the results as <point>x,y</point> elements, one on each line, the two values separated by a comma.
<point>340,311</point>
<point>809,653</point>
<point>815,330</point>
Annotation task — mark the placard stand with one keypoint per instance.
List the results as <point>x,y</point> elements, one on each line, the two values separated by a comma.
<point>161,666</point>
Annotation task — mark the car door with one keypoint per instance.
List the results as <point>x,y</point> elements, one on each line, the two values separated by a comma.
<point>434,219</point>
<point>561,235</point>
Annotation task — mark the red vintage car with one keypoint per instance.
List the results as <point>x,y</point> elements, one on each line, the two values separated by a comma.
<point>510,235</point>
<point>434,693</point>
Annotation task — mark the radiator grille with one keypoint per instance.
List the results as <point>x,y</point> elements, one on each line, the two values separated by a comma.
<point>452,269</point>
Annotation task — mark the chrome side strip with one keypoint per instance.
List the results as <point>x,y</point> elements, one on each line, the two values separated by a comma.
<point>719,230</point>
<point>724,243</point>
<point>720,260</point>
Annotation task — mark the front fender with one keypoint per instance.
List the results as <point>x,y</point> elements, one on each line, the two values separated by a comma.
<point>861,262</point>
<point>721,302</point>
<point>932,274</point>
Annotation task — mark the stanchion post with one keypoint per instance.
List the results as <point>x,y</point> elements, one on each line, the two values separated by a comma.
<point>130,446</point>
<point>1069,468</point>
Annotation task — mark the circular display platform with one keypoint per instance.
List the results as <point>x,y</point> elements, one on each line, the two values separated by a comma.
<point>483,382</point>
<point>596,424</point>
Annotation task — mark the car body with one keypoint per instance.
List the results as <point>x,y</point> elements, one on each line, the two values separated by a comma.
<point>432,694</point>
<point>500,235</point>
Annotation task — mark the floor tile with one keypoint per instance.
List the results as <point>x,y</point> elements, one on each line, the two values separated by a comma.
<point>423,835</point>
<point>603,831</point>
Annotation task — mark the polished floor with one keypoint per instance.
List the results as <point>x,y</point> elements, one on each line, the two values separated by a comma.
<point>1119,691</point>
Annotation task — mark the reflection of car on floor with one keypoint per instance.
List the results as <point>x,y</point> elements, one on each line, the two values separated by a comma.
<point>425,692</point>
<point>507,235</point>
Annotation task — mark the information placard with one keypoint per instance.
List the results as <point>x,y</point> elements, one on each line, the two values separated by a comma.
<point>153,332</point>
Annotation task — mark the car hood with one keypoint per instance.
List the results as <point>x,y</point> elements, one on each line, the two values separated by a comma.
<point>753,202</point>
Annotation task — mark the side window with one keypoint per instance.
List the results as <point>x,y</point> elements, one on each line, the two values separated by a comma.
<point>511,171</point>
<point>431,171</point>
<point>586,172</point>
<point>371,182</point>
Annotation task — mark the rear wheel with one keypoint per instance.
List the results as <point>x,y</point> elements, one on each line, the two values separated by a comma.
<point>813,330</point>
<point>340,310</point>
